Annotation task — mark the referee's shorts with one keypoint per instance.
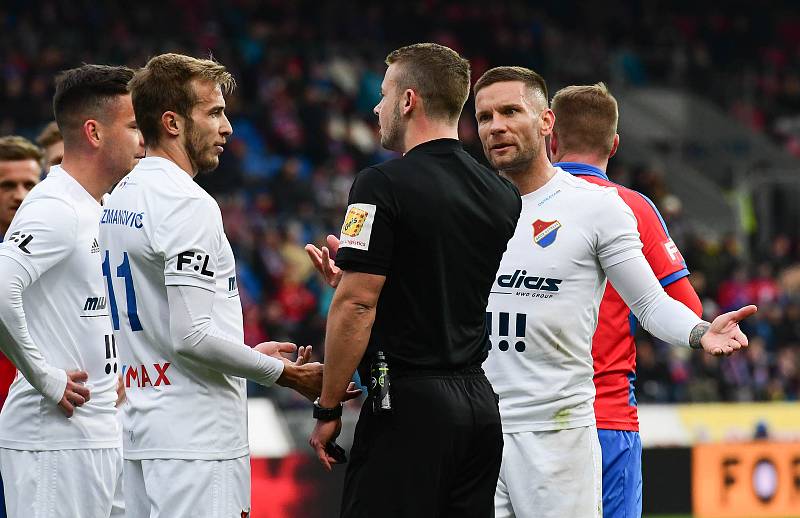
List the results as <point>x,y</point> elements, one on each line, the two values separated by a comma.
<point>437,455</point>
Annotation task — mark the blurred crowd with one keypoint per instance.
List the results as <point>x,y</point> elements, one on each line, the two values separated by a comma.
<point>309,74</point>
<point>725,278</point>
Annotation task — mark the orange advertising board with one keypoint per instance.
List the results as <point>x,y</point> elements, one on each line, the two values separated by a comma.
<point>746,480</point>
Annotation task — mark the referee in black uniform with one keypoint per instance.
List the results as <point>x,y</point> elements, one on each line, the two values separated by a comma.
<point>420,246</point>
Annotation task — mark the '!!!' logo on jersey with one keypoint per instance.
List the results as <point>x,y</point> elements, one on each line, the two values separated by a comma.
<point>545,232</point>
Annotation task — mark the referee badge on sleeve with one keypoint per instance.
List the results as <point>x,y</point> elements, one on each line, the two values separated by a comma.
<point>357,226</point>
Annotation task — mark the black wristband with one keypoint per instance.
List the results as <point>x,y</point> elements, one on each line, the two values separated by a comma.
<point>327,414</point>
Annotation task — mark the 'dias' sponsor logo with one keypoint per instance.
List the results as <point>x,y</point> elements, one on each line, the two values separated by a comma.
<point>545,232</point>
<point>520,279</point>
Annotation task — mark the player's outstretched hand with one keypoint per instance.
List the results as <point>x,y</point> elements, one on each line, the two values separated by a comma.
<point>324,433</point>
<point>75,393</point>
<point>323,260</point>
<point>723,336</point>
<point>303,355</point>
<point>275,349</point>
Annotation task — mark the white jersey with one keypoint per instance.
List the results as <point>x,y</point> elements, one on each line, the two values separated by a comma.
<point>542,311</point>
<point>54,237</point>
<point>160,228</point>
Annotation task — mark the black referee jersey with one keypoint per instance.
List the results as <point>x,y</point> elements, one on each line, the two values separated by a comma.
<point>435,223</point>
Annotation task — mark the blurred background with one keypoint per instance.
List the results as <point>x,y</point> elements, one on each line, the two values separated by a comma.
<point>709,98</point>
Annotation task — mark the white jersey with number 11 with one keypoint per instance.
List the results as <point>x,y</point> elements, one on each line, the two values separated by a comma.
<point>160,228</point>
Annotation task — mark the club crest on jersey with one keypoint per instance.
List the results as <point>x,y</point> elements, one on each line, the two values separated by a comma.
<point>545,232</point>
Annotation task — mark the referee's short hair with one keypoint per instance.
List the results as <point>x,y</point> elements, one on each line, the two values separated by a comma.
<point>165,84</point>
<point>438,74</point>
<point>83,93</point>
<point>586,118</point>
<point>526,76</point>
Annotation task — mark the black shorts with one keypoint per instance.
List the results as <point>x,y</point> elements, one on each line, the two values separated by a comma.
<point>437,455</point>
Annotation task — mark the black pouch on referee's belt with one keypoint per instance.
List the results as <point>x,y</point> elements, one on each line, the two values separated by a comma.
<point>380,385</point>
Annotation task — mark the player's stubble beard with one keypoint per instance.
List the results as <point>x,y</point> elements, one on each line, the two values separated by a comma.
<point>521,162</point>
<point>393,135</point>
<point>200,154</point>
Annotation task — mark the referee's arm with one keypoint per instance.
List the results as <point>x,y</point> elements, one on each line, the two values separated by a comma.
<point>350,320</point>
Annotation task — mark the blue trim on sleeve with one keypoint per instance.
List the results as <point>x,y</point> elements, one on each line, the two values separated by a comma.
<point>633,322</point>
<point>669,279</point>
<point>579,168</point>
<point>653,206</point>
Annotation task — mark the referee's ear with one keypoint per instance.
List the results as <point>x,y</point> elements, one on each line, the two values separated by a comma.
<point>410,101</point>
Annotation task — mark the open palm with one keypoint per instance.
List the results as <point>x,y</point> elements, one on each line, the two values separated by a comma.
<point>724,336</point>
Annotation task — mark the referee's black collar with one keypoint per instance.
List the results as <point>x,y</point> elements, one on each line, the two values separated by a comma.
<point>437,145</point>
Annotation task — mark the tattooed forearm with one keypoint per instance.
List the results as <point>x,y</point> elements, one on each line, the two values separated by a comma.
<point>697,333</point>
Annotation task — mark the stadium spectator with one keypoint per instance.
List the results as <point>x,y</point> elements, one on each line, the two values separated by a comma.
<point>437,450</point>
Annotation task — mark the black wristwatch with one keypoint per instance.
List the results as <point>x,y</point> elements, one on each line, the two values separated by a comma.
<point>327,414</point>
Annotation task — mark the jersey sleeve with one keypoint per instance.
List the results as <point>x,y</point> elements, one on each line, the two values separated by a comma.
<point>660,251</point>
<point>617,238</point>
<point>189,239</point>
<point>367,237</point>
<point>42,235</point>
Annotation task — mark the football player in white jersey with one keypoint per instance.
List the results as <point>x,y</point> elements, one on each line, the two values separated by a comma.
<point>543,309</point>
<point>60,441</point>
<point>175,304</point>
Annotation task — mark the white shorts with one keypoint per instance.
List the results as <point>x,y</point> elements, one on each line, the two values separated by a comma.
<point>174,488</point>
<point>62,483</point>
<point>551,474</point>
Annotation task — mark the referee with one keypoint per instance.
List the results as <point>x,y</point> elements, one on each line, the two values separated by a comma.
<point>420,245</point>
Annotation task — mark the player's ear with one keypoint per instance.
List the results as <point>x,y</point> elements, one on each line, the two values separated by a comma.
<point>547,121</point>
<point>172,123</point>
<point>91,132</point>
<point>614,145</point>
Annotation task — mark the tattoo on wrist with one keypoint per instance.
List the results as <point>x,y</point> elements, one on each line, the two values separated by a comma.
<point>697,333</point>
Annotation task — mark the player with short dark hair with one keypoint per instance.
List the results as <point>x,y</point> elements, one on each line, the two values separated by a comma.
<point>60,416</point>
<point>420,244</point>
<point>174,303</point>
<point>584,139</point>
<point>542,311</point>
